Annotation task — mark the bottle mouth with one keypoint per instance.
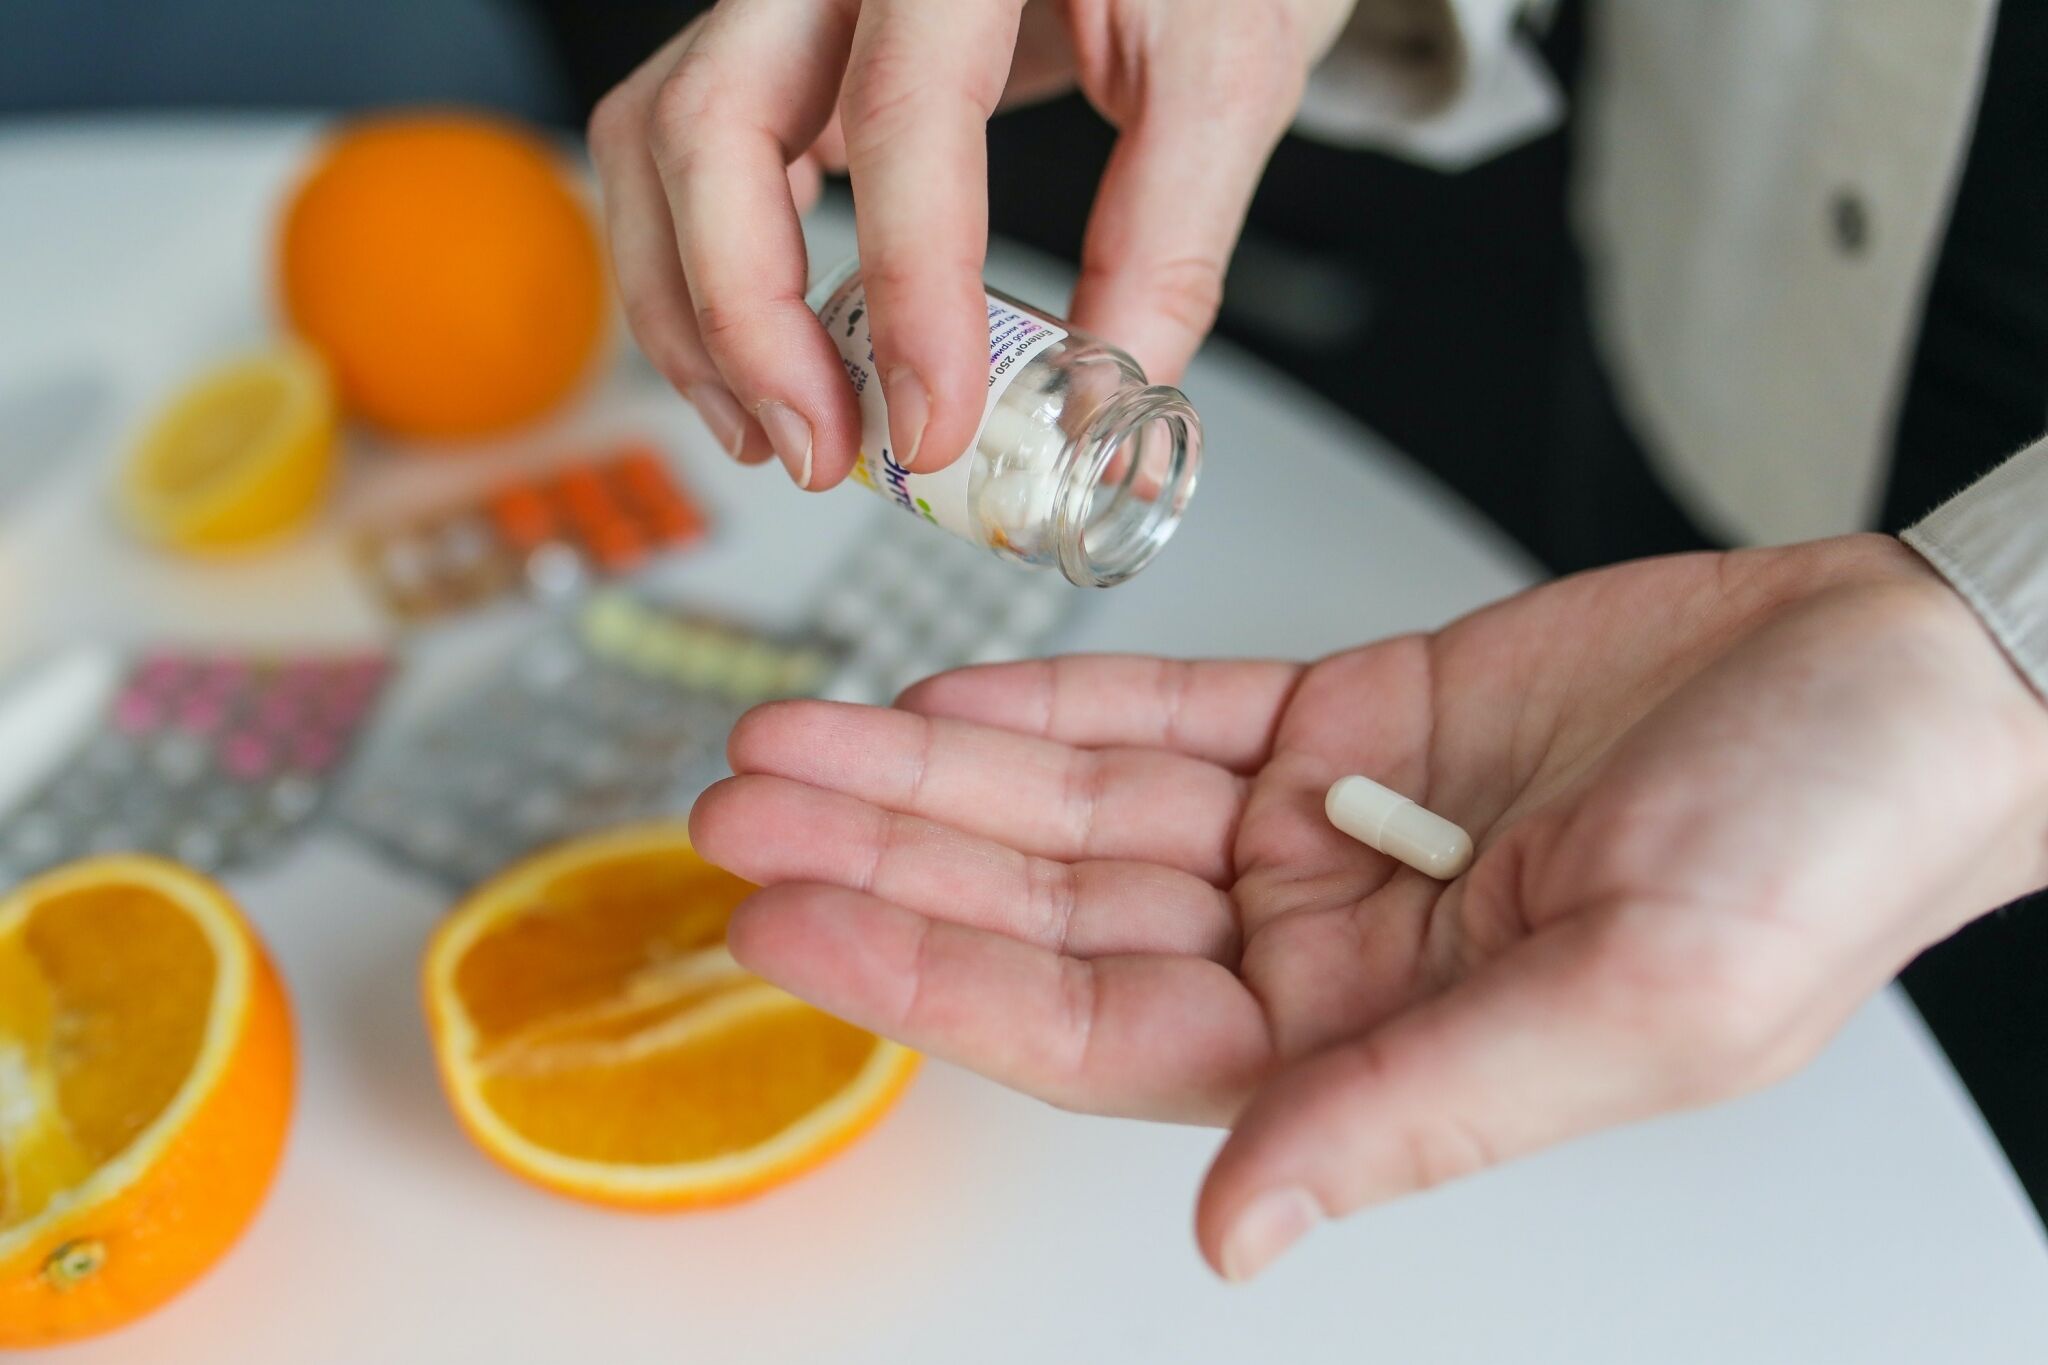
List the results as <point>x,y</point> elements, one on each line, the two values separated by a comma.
<point>1143,450</point>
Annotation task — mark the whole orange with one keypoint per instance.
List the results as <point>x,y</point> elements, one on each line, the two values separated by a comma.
<point>447,270</point>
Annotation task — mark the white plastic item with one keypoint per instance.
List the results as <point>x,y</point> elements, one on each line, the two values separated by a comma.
<point>49,712</point>
<point>1382,818</point>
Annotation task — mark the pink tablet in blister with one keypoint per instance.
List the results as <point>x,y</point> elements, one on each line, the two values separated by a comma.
<point>214,759</point>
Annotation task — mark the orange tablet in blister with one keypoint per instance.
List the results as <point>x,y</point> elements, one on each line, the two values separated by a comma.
<point>589,502</point>
<point>605,515</point>
<point>670,520</point>
<point>643,475</point>
<point>660,504</point>
<point>616,546</point>
<point>674,522</point>
<point>522,517</point>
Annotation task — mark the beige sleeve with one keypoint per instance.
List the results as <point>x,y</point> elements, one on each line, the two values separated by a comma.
<point>1444,82</point>
<point>1990,542</point>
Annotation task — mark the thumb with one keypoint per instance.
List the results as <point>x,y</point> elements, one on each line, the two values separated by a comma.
<point>1546,1042</point>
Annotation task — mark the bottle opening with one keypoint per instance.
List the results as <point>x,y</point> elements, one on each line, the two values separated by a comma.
<point>1141,453</point>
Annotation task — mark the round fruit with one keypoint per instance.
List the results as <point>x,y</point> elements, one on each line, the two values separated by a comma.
<point>243,454</point>
<point>145,1091</point>
<point>596,1038</point>
<point>447,270</point>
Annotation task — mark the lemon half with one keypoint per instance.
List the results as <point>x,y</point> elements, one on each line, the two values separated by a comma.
<point>241,455</point>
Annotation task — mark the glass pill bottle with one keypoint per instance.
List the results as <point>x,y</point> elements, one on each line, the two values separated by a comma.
<point>1079,463</point>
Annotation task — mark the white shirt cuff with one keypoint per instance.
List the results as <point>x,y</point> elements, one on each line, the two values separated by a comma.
<point>1990,542</point>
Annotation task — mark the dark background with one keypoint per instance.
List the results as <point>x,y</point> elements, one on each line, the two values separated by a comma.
<point>1447,312</point>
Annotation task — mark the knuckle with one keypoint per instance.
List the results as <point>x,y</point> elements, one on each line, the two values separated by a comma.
<point>732,327</point>
<point>890,86</point>
<point>1052,897</point>
<point>1444,1149</point>
<point>1262,85</point>
<point>1436,1149</point>
<point>894,837</point>
<point>720,322</point>
<point>914,1007</point>
<point>684,103</point>
<point>1249,66</point>
<point>1082,784</point>
<point>1185,290</point>
<point>881,85</point>
<point>902,279</point>
<point>672,358</point>
<point>1189,291</point>
<point>889,275</point>
<point>613,120</point>
<point>874,118</point>
<point>1080,999</point>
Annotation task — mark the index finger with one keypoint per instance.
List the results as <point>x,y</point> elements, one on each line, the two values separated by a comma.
<point>921,82</point>
<point>1033,795</point>
<point>1222,711</point>
<point>748,97</point>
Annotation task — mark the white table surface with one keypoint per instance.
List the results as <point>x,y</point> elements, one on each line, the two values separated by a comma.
<point>1859,1212</point>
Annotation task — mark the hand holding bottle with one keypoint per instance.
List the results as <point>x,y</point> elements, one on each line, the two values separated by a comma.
<point>708,150</point>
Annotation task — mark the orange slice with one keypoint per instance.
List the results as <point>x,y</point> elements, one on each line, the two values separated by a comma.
<point>595,1037</point>
<point>242,454</point>
<point>145,1090</point>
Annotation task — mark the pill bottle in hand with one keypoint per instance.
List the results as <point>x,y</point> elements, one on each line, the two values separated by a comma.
<point>1079,464</point>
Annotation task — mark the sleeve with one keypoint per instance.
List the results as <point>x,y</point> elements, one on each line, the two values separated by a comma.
<point>1990,542</point>
<point>1447,83</point>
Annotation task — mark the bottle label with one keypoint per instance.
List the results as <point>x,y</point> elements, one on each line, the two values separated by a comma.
<point>1014,338</point>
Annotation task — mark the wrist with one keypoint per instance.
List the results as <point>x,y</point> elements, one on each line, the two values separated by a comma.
<point>2012,735</point>
<point>1961,679</point>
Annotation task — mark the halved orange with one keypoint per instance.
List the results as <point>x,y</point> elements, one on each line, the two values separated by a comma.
<point>145,1091</point>
<point>596,1038</point>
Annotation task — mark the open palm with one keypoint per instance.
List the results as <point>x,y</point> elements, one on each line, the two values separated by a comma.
<point>1717,801</point>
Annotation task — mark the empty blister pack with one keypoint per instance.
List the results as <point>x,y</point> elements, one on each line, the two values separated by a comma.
<point>908,603</point>
<point>620,710</point>
<point>616,712</point>
<point>214,759</point>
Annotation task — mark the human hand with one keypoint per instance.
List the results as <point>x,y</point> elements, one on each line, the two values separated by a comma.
<point>1718,801</point>
<point>706,152</point>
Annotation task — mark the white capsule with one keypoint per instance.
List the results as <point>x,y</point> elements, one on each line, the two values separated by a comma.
<point>1011,434</point>
<point>1388,821</point>
<point>1019,501</point>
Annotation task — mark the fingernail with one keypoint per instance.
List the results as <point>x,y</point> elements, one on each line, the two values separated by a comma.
<point>1270,1224</point>
<point>790,434</point>
<point>909,406</point>
<point>721,413</point>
